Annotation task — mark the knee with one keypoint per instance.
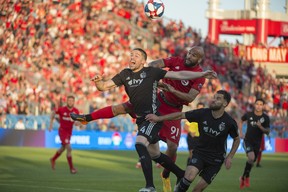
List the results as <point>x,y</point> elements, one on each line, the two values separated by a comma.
<point>172,147</point>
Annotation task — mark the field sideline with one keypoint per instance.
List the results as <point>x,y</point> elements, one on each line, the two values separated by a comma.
<point>25,169</point>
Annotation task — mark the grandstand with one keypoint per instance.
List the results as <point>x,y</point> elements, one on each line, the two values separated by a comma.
<point>51,48</point>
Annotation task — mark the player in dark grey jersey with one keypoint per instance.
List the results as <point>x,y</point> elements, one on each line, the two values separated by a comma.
<point>257,124</point>
<point>214,126</point>
<point>141,86</point>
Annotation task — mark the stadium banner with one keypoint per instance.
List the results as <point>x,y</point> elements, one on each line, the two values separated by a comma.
<point>237,27</point>
<point>21,138</point>
<point>263,54</point>
<point>125,141</point>
<point>107,140</point>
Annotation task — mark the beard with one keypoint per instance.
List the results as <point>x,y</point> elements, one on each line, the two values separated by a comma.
<point>214,107</point>
<point>189,63</point>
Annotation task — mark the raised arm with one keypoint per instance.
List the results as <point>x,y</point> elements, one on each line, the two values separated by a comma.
<point>188,75</point>
<point>101,84</point>
<point>171,116</point>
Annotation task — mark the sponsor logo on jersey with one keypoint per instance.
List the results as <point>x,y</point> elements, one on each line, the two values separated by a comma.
<point>135,82</point>
<point>177,67</point>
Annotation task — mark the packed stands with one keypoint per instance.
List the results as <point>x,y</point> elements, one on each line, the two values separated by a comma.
<point>52,48</point>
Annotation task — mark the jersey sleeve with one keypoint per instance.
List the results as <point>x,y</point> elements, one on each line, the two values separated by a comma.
<point>244,117</point>
<point>118,79</point>
<point>266,123</point>
<point>194,115</point>
<point>233,132</point>
<point>169,61</point>
<point>57,110</point>
<point>198,84</point>
<point>159,73</point>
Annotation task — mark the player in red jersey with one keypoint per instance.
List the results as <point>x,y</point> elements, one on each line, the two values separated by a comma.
<point>65,131</point>
<point>262,148</point>
<point>174,94</point>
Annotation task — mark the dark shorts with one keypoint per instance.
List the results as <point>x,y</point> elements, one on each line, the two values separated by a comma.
<point>192,142</point>
<point>149,130</point>
<point>208,168</point>
<point>251,147</point>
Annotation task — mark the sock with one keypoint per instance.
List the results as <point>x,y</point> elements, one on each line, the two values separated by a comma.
<point>104,113</point>
<point>146,163</point>
<point>167,163</point>
<point>166,172</point>
<point>259,157</point>
<point>69,159</point>
<point>57,154</point>
<point>183,185</point>
<point>247,170</point>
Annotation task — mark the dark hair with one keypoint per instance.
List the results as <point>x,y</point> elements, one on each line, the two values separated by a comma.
<point>226,95</point>
<point>70,96</point>
<point>260,99</point>
<point>144,54</point>
<point>200,103</point>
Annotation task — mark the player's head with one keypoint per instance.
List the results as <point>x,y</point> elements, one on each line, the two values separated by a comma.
<point>220,100</point>
<point>138,59</point>
<point>70,101</point>
<point>194,56</point>
<point>259,105</point>
<point>200,105</point>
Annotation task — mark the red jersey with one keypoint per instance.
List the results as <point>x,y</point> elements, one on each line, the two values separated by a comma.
<point>177,64</point>
<point>66,123</point>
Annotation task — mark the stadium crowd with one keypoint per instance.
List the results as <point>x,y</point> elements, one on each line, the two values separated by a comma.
<point>51,48</point>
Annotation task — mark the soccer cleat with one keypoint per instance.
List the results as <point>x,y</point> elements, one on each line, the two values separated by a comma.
<point>247,182</point>
<point>52,162</point>
<point>258,165</point>
<point>138,165</point>
<point>80,118</point>
<point>147,189</point>
<point>242,182</point>
<point>166,184</point>
<point>73,171</point>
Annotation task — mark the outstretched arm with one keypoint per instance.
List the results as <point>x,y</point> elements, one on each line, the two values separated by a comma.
<point>101,84</point>
<point>188,75</point>
<point>171,116</point>
<point>157,63</point>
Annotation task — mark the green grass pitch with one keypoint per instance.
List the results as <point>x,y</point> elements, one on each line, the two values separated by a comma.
<point>24,169</point>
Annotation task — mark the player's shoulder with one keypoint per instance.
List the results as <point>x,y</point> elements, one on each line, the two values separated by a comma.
<point>229,117</point>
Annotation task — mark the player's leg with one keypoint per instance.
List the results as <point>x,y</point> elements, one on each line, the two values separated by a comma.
<point>147,133</point>
<point>207,175</point>
<point>200,186</point>
<point>190,174</point>
<point>69,158</point>
<point>262,148</point>
<point>164,160</point>
<point>251,157</point>
<point>63,137</point>
<point>104,113</point>
<point>55,157</point>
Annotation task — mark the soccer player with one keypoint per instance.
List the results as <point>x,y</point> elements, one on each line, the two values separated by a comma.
<point>214,127</point>
<point>257,124</point>
<point>192,133</point>
<point>141,86</point>
<point>65,131</point>
<point>175,94</point>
